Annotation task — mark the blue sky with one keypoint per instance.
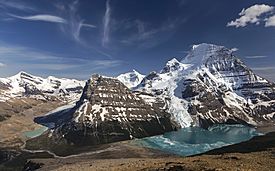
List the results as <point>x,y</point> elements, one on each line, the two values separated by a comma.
<point>74,39</point>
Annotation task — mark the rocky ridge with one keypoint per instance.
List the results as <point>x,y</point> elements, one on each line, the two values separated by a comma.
<point>26,85</point>
<point>108,111</point>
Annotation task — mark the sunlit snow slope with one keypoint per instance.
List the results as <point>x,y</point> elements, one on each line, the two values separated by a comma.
<point>27,85</point>
<point>211,85</point>
<point>131,79</point>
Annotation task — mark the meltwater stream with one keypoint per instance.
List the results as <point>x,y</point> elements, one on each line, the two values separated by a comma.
<point>195,140</point>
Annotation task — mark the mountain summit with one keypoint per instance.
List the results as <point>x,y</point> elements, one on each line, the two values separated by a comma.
<point>131,79</point>
<point>213,86</point>
<point>200,53</point>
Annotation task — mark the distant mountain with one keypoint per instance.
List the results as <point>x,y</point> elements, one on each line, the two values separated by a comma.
<point>24,97</point>
<point>211,85</point>
<point>27,85</point>
<point>131,79</point>
<point>107,112</point>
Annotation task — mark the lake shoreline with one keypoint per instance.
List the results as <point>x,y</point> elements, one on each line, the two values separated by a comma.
<point>225,158</point>
<point>122,154</point>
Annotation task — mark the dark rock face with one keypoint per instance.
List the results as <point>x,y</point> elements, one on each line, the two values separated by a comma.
<point>211,107</point>
<point>7,155</point>
<point>242,97</point>
<point>108,111</point>
<point>32,166</point>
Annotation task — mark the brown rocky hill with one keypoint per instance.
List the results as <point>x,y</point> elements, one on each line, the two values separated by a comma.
<point>108,111</point>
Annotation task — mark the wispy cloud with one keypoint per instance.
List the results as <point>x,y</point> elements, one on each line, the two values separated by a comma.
<point>75,24</point>
<point>18,5</point>
<point>182,2</point>
<point>144,34</point>
<point>88,25</point>
<point>71,23</point>
<point>24,58</point>
<point>107,63</point>
<point>263,68</point>
<point>266,72</point>
<point>106,24</point>
<point>256,57</point>
<point>41,17</point>
<point>253,15</point>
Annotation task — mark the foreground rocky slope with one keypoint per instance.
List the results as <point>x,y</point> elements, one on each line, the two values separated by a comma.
<point>255,154</point>
<point>211,85</point>
<point>108,111</point>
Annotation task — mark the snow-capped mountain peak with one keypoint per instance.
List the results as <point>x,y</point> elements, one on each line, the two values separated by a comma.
<point>131,79</point>
<point>213,87</point>
<point>172,65</point>
<point>25,77</point>
<point>202,53</point>
<point>25,84</point>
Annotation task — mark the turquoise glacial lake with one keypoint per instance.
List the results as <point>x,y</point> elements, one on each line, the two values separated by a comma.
<point>195,140</point>
<point>36,132</point>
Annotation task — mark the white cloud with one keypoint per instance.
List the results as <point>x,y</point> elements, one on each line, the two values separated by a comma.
<point>251,15</point>
<point>270,21</point>
<point>234,49</point>
<point>106,24</point>
<point>41,17</point>
<point>256,57</point>
<point>2,65</point>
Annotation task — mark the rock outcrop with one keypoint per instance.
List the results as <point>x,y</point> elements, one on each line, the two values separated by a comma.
<point>108,111</point>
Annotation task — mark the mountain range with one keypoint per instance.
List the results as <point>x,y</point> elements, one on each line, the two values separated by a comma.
<point>209,86</point>
<point>27,85</point>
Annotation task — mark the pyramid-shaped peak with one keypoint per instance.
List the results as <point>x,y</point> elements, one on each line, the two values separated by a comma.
<point>22,74</point>
<point>202,52</point>
<point>173,61</point>
<point>172,65</point>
